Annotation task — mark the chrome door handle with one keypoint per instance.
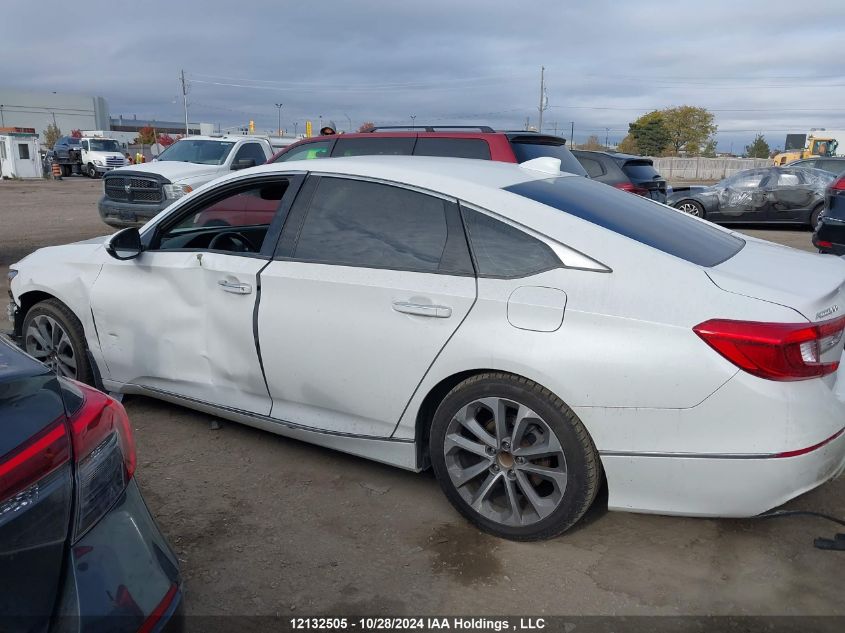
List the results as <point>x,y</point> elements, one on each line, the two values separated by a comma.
<point>419,309</point>
<point>235,287</point>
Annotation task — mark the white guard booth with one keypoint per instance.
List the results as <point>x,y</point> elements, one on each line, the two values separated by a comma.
<point>19,153</point>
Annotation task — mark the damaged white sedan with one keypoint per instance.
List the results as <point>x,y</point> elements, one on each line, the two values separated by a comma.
<point>528,334</point>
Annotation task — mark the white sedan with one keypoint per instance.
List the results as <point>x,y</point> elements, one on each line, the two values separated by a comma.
<point>525,333</point>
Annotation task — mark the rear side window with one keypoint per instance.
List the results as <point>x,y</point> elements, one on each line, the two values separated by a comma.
<point>317,149</point>
<point>634,217</point>
<point>454,147</point>
<point>593,167</point>
<point>640,170</point>
<point>401,146</point>
<point>527,148</point>
<point>504,251</point>
<point>358,223</point>
<point>833,166</point>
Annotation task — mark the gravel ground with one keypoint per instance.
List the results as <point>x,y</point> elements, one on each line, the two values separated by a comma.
<point>266,525</point>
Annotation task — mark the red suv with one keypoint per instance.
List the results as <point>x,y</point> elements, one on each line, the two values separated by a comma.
<point>451,141</point>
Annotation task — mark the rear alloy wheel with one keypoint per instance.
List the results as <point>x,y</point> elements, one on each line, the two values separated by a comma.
<point>691,207</point>
<point>513,458</point>
<point>814,217</point>
<point>53,335</point>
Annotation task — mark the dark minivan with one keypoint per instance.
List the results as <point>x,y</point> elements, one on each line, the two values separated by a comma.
<point>829,236</point>
<point>79,550</point>
<point>624,171</point>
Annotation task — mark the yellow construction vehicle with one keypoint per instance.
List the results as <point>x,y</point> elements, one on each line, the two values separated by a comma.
<point>817,143</point>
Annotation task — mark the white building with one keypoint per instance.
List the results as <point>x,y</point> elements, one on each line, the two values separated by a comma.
<point>19,153</point>
<point>39,109</point>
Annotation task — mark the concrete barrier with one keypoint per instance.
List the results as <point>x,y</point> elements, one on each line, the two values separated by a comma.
<point>699,168</point>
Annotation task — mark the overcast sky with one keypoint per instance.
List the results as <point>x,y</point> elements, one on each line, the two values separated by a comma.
<point>766,66</point>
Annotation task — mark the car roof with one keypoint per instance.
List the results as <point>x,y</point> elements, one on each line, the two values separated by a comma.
<point>449,176</point>
<point>14,363</point>
<point>614,155</point>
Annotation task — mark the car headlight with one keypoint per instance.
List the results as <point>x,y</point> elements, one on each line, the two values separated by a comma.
<point>171,192</point>
<point>9,276</point>
<point>97,161</point>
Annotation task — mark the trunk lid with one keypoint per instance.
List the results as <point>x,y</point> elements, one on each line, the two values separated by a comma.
<point>812,285</point>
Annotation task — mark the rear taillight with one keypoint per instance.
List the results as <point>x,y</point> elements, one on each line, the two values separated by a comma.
<point>104,452</point>
<point>775,351</point>
<point>838,184</point>
<point>40,456</point>
<point>824,244</point>
<point>627,186</point>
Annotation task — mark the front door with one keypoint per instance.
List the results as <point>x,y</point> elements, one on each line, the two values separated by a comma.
<point>370,282</point>
<point>742,197</point>
<point>179,318</point>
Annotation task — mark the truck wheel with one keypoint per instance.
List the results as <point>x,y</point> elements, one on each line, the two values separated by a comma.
<point>91,171</point>
<point>66,170</point>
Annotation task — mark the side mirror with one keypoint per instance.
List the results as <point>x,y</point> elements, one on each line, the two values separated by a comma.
<point>244,163</point>
<point>125,244</point>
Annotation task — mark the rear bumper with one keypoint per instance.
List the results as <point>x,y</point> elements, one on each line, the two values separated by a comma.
<point>120,214</point>
<point>724,486</point>
<point>121,575</point>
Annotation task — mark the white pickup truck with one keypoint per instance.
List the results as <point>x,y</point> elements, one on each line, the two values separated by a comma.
<point>132,195</point>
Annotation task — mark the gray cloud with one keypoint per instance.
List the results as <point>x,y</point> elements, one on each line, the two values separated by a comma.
<point>759,65</point>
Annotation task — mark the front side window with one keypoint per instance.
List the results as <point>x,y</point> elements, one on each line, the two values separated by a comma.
<point>251,151</point>
<point>358,223</point>
<point>200,151</point>
<point>634,217</point>
<point>236,221</point>
<point>307,151</point>
<point>23,151</point>
<point>388,146</point>
<point>747,179</point>
<point>502,250</point>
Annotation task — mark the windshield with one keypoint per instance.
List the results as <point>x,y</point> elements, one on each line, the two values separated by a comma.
<point>202,152</point>
<point>104,145</point>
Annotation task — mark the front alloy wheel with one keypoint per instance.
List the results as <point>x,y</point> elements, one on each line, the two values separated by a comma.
<point>53,335</point>
<point>513,458</point>
<point>690,207</point>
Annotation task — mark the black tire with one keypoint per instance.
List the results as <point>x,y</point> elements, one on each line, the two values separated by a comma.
<point>582,463</point>
<point>67,170</point>
<point>91,171</point>
<point>58,311</point>
<point>814,217</point>
<point>691,203</point>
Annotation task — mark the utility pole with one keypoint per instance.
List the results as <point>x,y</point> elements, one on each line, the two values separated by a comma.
<point>349,129</point>
<point>527,123</point>
<point>2,118</point>
<point>544,102</point>
<point>413,120</point>
<point>572,134</point>
<point>606,133</point>
<point>54,119</point>
<point>279,106</point>
<point>185,101</point>
<point>295,125</point>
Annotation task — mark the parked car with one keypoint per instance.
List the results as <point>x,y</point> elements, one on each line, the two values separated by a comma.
<point>829,236</point>
<point>834,164</point>
<point>782,195</point>
<point>134,194</point>
<point>500,323</point>
<point>635,174</point>
<point>79,550</point>
<point>448,141</point>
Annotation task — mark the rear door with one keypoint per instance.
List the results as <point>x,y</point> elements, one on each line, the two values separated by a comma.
<point>790,196</point>
<point>369,283</point>
<point>742,197</point>
<point>35,490</point>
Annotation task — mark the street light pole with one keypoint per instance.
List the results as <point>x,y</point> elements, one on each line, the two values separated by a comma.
<point>279,106</point>
<point>606,133</point>
<point>413,120</point>
<point>572,134</point>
